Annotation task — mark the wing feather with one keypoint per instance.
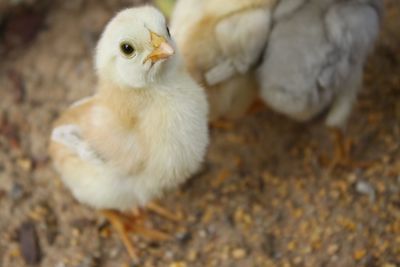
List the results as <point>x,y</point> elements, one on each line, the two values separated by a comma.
<point>70,136</point>
<point>242,38</point>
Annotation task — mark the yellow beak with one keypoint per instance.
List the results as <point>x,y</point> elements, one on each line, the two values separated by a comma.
<point>161,50</point>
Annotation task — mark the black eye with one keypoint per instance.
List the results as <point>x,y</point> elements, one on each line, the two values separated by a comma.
<point>169,33</point>
<point>127,49</point>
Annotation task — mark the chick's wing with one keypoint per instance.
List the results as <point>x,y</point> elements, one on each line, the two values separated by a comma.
<point>241,37</point>
<point>352,28</point>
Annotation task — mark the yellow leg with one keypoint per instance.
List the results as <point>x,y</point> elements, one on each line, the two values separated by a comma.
<point>222,123</point>
<point>152,234</point>
<point>257,106</point>
<point>342,146</point>
<point>124,224</point>
<point>341,149</point>
<point>118,221</point>
<point>154,207</point>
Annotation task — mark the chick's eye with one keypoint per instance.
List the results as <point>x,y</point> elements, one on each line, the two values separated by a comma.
<point>127,49</point>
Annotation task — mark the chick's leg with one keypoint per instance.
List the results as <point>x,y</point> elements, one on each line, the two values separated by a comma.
<point>338,116</point>
<point>163,212</point>
<point>125,224</point>
<point>151,234</point>
<point>342,148</point>
<point>118,221</point>
<point>257,106</point>
<point>342,152</point>
<point>222,124</point>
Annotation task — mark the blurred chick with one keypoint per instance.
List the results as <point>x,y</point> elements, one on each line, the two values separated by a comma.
<point>222,42</point>
<point>315,57</point>
<point>142,133</point>
<point>165,6</point>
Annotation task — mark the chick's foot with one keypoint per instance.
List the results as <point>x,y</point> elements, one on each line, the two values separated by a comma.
<point>257,107</point>
<point>163,212</point>
<point>124,224</point>
<point>222,124</point>
<point>342,153</point>
<point>119,221</point>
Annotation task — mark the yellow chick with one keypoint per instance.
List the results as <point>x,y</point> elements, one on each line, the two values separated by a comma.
<point>145,129</point>
<point>222,42</point>
<point>166,6</point>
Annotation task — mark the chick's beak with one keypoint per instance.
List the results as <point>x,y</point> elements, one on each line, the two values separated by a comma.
<point>162,49</point>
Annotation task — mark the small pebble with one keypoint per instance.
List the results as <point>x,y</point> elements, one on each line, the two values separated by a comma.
<point>169,255</point>
<point>15,252</point>
<point>297,261</point>
<point>3,193</point>
<point>203,233</point>
<point>332,249</point>
<point>60,264</point>
<point>29,243</point>
<point>178,264</point>
<point>16,192</point>
<point>192,256</point>
<point>238,253</point>
<point>89,261</point>
<point>352,178</point>
<point>39,213</point>
<point>25,164</point>
<point>184,237</point>
<point>114,253</point>
<point>365,188</point>
<point>291,246</point>
<point>359,254</point>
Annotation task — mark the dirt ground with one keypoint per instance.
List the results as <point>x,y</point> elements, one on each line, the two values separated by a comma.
<point>263,198</point>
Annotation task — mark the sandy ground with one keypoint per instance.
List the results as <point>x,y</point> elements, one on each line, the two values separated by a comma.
<point>263,199</point>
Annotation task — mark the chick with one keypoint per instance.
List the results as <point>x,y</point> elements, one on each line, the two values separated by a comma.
<point>222,42</point>
<point>145,129</point>
<point>165,6</point>
<point>315,58</point>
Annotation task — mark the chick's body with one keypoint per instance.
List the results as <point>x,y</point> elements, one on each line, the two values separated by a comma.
<point>315,57</point>
<point>156,148</point>
<point>127,144</point>
<point>222,42</point>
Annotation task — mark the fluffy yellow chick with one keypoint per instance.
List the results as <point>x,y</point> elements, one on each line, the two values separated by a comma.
<point>145,129</point>
<point>222,42</point>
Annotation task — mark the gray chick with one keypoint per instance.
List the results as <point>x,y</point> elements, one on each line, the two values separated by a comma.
<point>315,57</point>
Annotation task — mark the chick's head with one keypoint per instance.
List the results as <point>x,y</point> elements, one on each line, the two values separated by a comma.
<point>136,48</point>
